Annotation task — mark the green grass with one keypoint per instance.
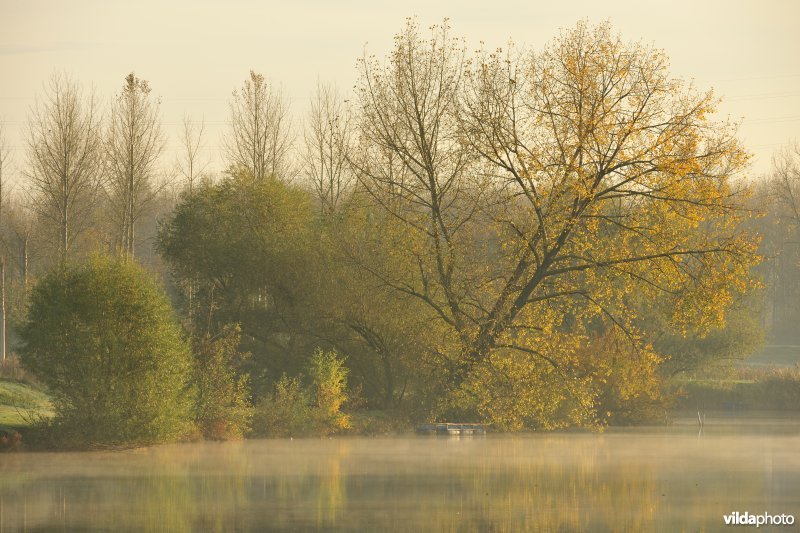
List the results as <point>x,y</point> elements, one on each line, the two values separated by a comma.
<point>20,403</point>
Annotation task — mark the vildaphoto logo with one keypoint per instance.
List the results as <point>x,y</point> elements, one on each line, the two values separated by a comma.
<point>746,519</point>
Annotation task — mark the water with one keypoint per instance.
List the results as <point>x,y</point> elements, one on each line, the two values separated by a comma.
<point>656,479</point>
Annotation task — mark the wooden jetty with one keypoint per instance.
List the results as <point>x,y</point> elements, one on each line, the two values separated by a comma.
<point>448,428</point>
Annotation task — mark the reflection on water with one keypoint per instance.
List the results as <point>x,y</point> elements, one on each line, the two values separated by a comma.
<point>666,479</point>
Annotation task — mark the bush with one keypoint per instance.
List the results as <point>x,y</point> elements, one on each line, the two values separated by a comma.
<point>102,338</point>
<point>329,391</point>
<point>380,423</point>
<point>10,440</point>
<point>294,410</point>
<point>223,409</point>
<point>286,412</point>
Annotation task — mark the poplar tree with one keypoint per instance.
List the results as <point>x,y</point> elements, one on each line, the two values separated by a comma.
<point>133,144</point>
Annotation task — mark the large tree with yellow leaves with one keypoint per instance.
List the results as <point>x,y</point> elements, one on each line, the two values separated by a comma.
<point>545,196</point>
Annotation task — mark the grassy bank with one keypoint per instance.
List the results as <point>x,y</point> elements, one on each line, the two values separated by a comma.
<point>21,403</point>
<point>748,389</point>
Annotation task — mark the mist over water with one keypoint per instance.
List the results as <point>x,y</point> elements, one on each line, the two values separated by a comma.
<point>662,479</point>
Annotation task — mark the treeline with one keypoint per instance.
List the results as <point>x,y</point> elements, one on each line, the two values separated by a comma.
<point>531,238</point>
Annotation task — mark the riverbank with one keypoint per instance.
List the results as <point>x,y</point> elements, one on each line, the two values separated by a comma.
<point>749,393</point>
<point>747,389</point>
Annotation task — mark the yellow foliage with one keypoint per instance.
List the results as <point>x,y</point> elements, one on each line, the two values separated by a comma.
<point>558,191</point>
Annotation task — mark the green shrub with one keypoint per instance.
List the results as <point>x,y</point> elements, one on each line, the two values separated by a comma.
<point>380,422</point>
<point>223,409</point>
<point>295,410</point>
<point>285,413</point>
<point>328,391</point>
<point>102,338</point>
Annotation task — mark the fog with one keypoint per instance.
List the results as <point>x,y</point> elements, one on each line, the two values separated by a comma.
<point>221,224</point>
<point>627,480</point>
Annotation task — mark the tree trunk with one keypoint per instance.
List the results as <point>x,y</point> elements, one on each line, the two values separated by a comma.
<point>64,237</point>
<point>25,264</point>
<point>2,312</point>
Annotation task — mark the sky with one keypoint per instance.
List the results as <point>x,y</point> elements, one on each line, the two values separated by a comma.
<point>195,53</point>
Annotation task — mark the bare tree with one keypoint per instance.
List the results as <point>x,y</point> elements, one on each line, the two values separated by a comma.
<point>260,139</point>
<point>3,167</point>
<point>20,222</point>
<point>64,159</point>
<point>191,167</point>
<point>328,139</point>
<point>786,181</point>
<point>781,244</point>
<point>190,164</point>
<point>134,142</point>
<point>4,162</point>
<point>411,161</point>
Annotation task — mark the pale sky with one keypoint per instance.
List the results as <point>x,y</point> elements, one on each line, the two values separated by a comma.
<point>194,53</point>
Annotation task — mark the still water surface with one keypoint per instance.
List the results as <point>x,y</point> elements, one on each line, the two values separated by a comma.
<point>656,479</point>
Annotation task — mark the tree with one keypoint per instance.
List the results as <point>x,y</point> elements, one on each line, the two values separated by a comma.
<point>386,334</point>
<point>4,161</point>
<point>543,188</point>
<point>328,140</point>
<point>781,243</point>
<point>223,403</point>
<point>102,337</point>
<point>260,137</point>
<point>190,164</point>
<point>191,167</point>
<point>21,224</point>
<point>64,160</point>
<point>244,243</point>
<point>786,182</point>
<point>3,171</point>
<point>134,142</point>
<point>22,248</point>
